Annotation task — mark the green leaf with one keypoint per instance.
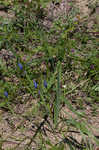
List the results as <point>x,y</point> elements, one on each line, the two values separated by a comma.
<point>2,104</point>
<point>57,101</point>
<point>60,147</point>
<point>96,88</point>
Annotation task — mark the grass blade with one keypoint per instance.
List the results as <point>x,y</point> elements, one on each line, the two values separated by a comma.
<point>57,101</point>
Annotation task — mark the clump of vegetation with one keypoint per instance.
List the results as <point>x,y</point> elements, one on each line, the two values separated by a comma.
<point>58,68</point>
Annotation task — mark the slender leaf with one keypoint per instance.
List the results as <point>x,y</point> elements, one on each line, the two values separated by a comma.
<point>58,98</point>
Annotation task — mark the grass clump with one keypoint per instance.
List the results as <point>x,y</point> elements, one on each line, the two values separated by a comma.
<point>56,70</point>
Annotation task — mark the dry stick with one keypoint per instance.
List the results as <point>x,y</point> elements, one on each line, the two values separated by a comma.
<point>96,136</point>
<point>70,140</point>
<point>38,129</point>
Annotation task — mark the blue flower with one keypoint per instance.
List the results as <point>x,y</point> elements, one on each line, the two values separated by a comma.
<point>6,94</point>
<point>45,84</point>
<point>72,50</point>
<point>92,66</point>
<point>35,84</point>
<point>20,66</point>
